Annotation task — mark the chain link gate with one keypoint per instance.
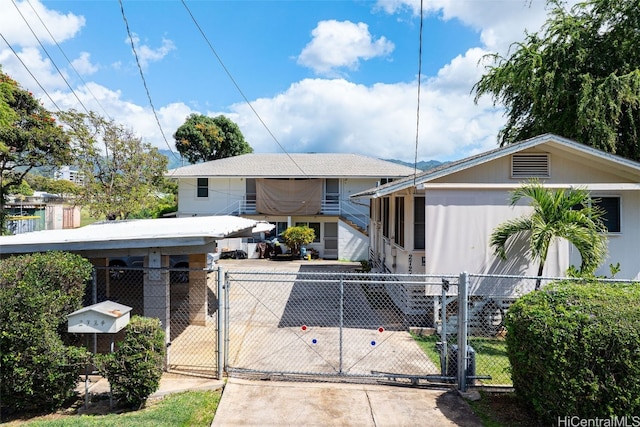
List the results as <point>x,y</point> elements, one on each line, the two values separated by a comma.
<point>339,325</point>
<point>192,346</point>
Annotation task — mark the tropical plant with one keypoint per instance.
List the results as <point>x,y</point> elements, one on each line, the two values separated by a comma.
<point>578,77</point>
<point>560,214</point>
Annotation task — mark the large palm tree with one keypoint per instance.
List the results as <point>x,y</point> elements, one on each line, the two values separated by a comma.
<point>567,214</point>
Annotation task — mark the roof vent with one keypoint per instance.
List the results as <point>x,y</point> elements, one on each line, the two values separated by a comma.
<point>530,165</point>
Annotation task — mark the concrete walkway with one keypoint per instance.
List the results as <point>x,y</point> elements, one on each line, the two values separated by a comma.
<point>272,403</point>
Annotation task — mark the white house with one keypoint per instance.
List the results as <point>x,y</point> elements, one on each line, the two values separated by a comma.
<point>311,189</point>
<point>440,221</point>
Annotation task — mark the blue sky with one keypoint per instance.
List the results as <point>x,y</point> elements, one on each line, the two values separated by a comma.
<point>323,76</point>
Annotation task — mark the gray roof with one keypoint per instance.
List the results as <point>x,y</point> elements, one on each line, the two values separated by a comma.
<point>469,162</point>
<point>296,165</point>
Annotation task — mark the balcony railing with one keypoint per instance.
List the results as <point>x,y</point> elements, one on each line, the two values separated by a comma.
<point>342,208</point>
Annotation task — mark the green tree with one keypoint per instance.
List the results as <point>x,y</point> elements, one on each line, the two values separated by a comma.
<point>202,138</point>
<point>578,78</point>
<point>122,174</point>
<point>295,237</point>
<point>61,187</point>
<point>29,138</point>
<point>559,214</point>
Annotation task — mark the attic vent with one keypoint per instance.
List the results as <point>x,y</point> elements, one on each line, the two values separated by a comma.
<point>530,166</point>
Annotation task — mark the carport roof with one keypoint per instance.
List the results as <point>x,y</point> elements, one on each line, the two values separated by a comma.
<point>134,234</point>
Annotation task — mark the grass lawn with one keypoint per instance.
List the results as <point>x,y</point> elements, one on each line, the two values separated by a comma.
<point>85,218</point>
<point>491,356</point>
<point>180,409</point>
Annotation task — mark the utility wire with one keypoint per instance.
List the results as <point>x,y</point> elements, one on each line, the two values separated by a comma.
<point>49,56</point>
<point>144,81</point>
<point>30,73</point>
<point>246,100</point>
<point>69,61</point>
<point>415,161</point>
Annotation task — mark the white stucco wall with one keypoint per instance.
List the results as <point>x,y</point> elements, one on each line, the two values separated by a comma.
<point>223,195</point>
<point>352,244</point>
<point>458,230</point>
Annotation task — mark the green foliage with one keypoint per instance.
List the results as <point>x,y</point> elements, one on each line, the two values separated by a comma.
<point>122,173</point>
<point>37,292</point>
<point>54,186</point>
<point>202,138</point>
<point>573,350</point>
<point>29,138</point>
<point>578,77</point>
<point>23,189</point>
<point>556,214</point>
<point>135,368</point>
<point>295,237</point>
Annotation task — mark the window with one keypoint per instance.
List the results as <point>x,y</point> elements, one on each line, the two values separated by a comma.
<point>315,226</point>
<point>332,190</point>
<point>385,217</point>
<point>250,190</point>
<point>203,187</point>
<point>611,208</point>
<point>418,223</point>
<point>399,223</point>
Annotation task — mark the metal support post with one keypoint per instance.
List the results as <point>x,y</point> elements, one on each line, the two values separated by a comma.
<point>463,286</point>
<point>221,325</point>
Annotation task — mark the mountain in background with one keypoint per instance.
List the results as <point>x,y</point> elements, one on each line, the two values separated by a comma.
<point>423,165</point>
<point>173,158</point>
<point>176,162</point>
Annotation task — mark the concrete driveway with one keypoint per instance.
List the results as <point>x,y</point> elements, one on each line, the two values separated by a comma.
<point>274,403</point>
<point>287,403</point>
<point>283,323</point>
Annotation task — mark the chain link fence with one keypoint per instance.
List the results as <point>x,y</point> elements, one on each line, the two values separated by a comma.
<point>340,324</point>
<point>191,308</point>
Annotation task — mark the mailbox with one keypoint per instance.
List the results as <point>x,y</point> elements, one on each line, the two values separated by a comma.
<point>104,317</point>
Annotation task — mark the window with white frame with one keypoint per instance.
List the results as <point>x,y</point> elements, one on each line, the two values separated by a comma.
<point>419,229</point>
<point>611,208</point>
<point>399,222</point>
<point>203,188</point>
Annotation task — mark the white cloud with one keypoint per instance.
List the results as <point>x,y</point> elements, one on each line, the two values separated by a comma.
<point>341,44</point>
<point>320,115</point>
<point>147,54</point>
<point>12,22</point>
<point>83,64</point>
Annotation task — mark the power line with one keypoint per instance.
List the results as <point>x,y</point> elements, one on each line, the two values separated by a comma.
<point>30,73</point>
<point>415,161</point>
<point>246,100</point>
<point>144,81</point>
<point>69,61</point>
<point>49,56</point>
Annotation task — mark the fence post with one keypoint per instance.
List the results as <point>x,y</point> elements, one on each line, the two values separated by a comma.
<point>341,319</point>
<point>227,285</point>
<point>221,325</point>
<point>463,286</point>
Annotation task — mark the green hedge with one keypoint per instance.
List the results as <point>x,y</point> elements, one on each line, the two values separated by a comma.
<point>37,292</point>
<point>135,368</point>
<point>574,350</point>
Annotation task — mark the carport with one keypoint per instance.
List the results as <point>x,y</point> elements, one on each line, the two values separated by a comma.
<point>155,240</point>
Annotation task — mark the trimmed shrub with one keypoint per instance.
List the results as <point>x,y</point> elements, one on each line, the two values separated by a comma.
<point>135,367</point>
<point>297,236</point>
<point>574,350</point>
<point>37,292</point>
